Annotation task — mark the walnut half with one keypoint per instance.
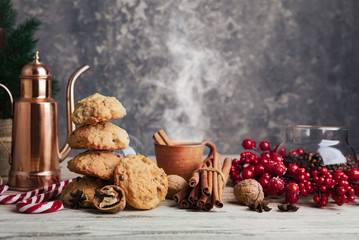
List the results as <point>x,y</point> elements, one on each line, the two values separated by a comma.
<point>110,199</point>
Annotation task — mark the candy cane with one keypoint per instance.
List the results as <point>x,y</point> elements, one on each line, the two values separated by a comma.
<point>32,202</point>
<point>10,199</point>
<point>35,205</point>
<point>47,207</point>
<point>3,188</point>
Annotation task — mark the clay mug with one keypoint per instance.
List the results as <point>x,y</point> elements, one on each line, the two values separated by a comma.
<point>183,157</point>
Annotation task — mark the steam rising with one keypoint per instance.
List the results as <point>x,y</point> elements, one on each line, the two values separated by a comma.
<point>196,70</point>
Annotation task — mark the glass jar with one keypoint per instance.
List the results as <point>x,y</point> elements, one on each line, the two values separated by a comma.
<point>314,147</point>
<point>135,146</point>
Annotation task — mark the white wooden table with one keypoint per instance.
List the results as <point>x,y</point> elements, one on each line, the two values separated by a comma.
<point>168,222</point>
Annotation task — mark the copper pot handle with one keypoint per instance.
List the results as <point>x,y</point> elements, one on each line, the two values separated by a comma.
<point>11,99</point>
<point>11,112</point>
<point>212,147</point>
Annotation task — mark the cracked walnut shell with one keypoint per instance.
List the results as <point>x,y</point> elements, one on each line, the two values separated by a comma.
<point>109,199</point>
<point>87,186</point>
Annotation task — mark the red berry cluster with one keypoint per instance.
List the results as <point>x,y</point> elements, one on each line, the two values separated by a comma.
<point>278,178</point>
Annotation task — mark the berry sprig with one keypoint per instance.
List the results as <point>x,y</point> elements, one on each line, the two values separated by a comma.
<point>290,179</point>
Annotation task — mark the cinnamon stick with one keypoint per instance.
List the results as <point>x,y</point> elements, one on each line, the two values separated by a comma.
<point>193,196</point>
<point>165,137</point>
<point>178,197</point>
<point>226,169</point>
<point>185,203</point>
<point>202,201</point>
<point>207,161</point>
<point>158,139</point>
<point>193,181</point>
<point>204,183</point>
<point>219,203</point>
<point>209,205</point>
<point>208,190</point>
<point>222,182</point>
<point>215,193</point>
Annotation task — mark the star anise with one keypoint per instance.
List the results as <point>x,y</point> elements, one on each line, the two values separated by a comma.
<point>286,207</point>
<point>77,199</point>
<point>260,206</point>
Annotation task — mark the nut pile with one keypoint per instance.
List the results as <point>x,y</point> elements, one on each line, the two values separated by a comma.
<point>314,161</point>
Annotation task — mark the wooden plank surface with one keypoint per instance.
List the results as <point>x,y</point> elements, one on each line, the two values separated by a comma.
<point>168,222</point>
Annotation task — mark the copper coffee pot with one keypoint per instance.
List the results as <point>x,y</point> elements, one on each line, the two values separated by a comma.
<point>35,154</point>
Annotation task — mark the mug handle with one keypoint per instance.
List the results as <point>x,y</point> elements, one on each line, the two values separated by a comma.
<point>212,147</point>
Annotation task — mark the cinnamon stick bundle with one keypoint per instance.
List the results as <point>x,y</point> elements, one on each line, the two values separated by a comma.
<point>205,187</point>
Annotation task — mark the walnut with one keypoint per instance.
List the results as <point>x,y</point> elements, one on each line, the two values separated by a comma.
<point>109,199</point>
<point>175,184</point>
<point>248,192</point>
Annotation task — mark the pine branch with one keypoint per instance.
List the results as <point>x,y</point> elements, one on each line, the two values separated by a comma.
<point>7,15</point>
<point>20,49</point>
<point>29,27</point>
<point>22,38</point>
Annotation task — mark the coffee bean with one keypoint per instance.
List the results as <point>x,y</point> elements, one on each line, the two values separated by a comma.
<point>314,161</point>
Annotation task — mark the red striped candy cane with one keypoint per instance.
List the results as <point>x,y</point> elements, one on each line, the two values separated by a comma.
<point>3,188</point>
<point>32,202</point>
<point>10,199</point>
<point>36,205</point>
<point>47,207</point>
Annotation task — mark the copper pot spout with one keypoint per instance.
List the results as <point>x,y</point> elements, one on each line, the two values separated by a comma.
<point>70,105</point>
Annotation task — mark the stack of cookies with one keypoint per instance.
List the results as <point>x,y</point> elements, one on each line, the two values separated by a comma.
<point>135,177</point>
<point>97,135</point>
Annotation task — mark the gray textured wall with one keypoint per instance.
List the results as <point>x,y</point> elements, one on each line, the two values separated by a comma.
<point>217,70</point>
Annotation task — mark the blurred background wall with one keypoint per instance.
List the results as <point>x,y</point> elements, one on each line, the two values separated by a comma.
<point>217,70</point>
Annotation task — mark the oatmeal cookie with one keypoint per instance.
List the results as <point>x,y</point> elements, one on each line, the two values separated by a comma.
<point>97,108</point>
<point>99,136</point>
<point>99,164</point>
<point>80,192</point>
<point>144,184</point>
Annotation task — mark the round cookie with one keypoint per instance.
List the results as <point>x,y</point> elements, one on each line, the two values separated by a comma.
<point>87,185</point>
<point>145,185</point>
<point>99,136</point>
<point>99,164</point>
<point>97,108</point>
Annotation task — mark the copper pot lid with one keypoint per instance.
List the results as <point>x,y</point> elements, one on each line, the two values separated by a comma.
<point>36,69</point>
